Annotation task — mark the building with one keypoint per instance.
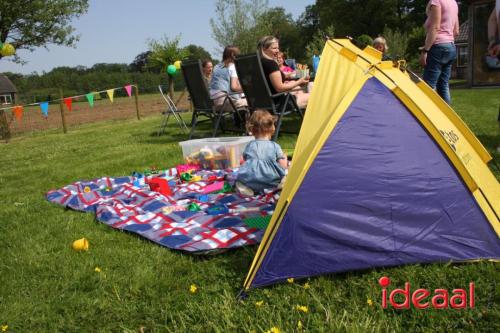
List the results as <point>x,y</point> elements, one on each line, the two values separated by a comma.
<point>7,91</point>
<point>480,71</point>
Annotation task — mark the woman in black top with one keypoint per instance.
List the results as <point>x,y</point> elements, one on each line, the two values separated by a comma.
<point>269,48</point>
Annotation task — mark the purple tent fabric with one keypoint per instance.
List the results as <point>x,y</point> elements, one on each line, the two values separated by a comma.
<point>384,194</point>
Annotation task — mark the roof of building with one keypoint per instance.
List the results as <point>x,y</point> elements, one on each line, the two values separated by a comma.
<point>6,86</point>
<point>463,34</point>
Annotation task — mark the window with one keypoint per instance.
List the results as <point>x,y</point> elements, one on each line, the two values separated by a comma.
<point>462,55</point>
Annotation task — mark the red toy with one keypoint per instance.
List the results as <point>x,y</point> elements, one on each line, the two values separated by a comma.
<point>159,185</point>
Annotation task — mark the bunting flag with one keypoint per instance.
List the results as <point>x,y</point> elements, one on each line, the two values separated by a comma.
<point>45,108</point>
<point>18,112</point>
<point>90,98</point>
<point>69,102</point>
<point>128,88</point>
<point>110,93</point>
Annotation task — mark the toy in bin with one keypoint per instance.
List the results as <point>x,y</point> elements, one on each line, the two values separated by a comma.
<point>215,153</point>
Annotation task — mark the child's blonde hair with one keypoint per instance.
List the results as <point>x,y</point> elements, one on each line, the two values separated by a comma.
<point>261,123</point>
<point>381,41</point>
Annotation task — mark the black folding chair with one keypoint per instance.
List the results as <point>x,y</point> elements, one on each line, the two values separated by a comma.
<point>171,110</point>
<point>257,92</point>
<point>203,106</point>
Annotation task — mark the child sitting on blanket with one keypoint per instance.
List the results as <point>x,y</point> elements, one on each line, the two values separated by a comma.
<point>265,164</point>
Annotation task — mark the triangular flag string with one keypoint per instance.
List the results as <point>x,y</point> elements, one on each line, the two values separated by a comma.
<point>128,88</point>
<point>110,93</point>
<point>69,102</point>
<point>45,108</point>
<point>18,112</point>
<point>90,99</point>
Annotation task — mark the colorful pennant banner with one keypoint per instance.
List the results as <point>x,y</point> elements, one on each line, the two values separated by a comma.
<point>18,112</point>
<point>45,108</point>
<point>90,98</point>
<point>69,102</point>
<point>128,88</point>
<point>110,93</point>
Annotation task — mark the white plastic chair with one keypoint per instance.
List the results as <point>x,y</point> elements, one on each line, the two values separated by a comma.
<point>171,110</point>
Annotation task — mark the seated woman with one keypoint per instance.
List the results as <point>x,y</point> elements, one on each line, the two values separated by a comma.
<point>268,48</point>
<point>207,68</point>
<point>225,81</point>
<point>286,70</point>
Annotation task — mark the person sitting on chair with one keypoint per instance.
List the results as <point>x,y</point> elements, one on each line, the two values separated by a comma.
<point>207,68</point>
<point>286,70</point>
<point>268,47</point>
<point>225,81</point>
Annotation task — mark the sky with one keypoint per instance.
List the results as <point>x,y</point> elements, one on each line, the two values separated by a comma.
<point>116,31</point>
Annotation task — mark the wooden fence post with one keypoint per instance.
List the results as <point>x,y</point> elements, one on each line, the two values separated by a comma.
<point>61,108</point>
<point>4,126</point>
<point>136,96</point>
<point>171,86</point>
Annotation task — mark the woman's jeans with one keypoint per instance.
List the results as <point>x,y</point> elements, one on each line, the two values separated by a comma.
<point>437,71</point>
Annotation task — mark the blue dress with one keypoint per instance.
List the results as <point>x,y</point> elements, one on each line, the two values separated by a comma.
<point>261,169</point>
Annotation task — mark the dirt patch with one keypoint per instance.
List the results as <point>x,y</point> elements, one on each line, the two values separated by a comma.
<point>82,113</point>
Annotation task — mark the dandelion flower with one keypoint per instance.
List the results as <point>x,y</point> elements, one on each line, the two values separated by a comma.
<point>193,288</point>
<point>290,280</point>
<point>5,328</point>
<point>369,302</point>
<point>273,330</point>
<point>302,308</point>
<point>97,269</point>
<point>299,325</point>
<point>259,303</point>
<point>307,285</point>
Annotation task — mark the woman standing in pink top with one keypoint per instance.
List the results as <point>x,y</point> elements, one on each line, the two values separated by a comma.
<point>439,51</point>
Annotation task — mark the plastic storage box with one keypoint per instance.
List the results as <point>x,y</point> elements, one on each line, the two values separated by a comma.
<point>215,153</point>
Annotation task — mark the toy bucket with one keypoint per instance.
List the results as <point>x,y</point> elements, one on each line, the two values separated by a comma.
<point>81,244</point>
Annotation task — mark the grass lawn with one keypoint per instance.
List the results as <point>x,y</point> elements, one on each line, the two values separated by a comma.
<point>47,287</point>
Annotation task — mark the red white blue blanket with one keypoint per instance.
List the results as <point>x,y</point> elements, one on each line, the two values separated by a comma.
<point>127,203</point>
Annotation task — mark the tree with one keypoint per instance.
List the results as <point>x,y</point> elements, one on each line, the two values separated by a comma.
<point>196,52</point>
<point>163,53</point>
<point>235,23</point>
<point>28,24</point>
<point>140,63</point>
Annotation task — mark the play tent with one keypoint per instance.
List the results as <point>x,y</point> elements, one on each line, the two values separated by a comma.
<point>384,173</point>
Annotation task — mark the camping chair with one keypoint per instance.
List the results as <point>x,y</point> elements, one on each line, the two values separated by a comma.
<point>257,92</point>
<point>203,106</point>
<point>171,110</point>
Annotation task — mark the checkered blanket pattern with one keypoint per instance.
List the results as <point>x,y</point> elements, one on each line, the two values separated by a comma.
<point>123,203</point>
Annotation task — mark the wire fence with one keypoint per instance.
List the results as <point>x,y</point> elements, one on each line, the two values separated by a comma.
<point>34,120</point>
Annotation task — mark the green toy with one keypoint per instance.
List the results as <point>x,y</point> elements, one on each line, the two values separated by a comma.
<point>258,222</point>
<point>193,207</point>
<point>226,189</point>
<point>186,176</point>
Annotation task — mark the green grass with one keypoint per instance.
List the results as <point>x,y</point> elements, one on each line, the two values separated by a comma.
<point>47,287</point>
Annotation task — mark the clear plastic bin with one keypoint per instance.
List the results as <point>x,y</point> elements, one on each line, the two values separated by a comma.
<point>215,153</point>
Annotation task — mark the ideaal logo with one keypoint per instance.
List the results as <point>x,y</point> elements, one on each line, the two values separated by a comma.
<point>423,298</point>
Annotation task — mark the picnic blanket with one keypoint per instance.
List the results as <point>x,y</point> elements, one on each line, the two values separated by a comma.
<point>127,203</point>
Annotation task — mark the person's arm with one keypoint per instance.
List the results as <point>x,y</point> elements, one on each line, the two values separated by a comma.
<point>456,30</point>
<point>430,37</point>
<point>492,28</point>
<point>281,157</point>
<point>235,85</point>
<point>280,86</point>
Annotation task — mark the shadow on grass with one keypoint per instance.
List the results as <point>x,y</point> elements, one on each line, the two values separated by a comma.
<point>490,142</point>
